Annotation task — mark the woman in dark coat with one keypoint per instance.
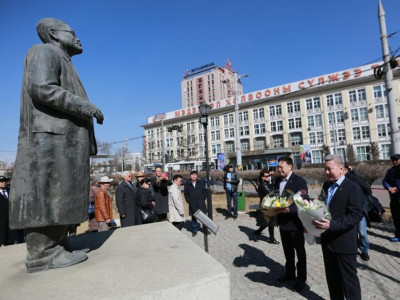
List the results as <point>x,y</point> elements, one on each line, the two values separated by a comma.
<point>264,188</point>
<point>144,200</point>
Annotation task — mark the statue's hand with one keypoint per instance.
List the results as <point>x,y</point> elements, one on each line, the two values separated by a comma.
<point>99,116</point>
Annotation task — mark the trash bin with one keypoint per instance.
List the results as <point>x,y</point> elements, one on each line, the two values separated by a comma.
<point>241,201</point>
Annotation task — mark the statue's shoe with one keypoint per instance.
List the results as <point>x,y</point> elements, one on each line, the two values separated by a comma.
<point>61,259</point>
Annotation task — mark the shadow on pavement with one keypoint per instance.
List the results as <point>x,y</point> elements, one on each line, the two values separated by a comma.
<point>254,256</point>
<point>371,233</point>
<point>249,232</point>
<point>383,227</point>
<point>366,267</point>
<point>222,211</point>
<point>383,250</point>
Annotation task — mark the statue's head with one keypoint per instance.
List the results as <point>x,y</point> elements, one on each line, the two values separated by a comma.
<point>59,33</point>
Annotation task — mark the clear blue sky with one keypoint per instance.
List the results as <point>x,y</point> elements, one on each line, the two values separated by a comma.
<point>136,52</point>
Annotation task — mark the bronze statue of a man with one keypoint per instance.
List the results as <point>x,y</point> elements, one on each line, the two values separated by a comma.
<point>50,183</point>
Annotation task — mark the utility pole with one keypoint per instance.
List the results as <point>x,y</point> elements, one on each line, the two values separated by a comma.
<point>237,137</point>
<point>163,145</point>
<point>394,124</point>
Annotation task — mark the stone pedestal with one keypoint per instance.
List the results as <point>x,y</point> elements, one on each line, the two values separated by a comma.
<point>153,261</point>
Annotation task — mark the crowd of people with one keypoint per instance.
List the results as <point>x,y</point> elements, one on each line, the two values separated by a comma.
<point>346,195</point>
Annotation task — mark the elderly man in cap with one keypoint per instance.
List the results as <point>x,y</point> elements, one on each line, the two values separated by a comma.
<point>103,206</point>
<point>125,198</point>
<point>391,183</point>
<point>51,178</point>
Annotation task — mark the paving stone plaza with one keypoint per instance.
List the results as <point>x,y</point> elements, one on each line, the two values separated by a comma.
<point>254,266</point>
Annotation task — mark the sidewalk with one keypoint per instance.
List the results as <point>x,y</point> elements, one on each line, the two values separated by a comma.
<point>254,266</point>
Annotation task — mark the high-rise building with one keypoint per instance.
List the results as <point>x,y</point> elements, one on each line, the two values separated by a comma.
<point>208,83</point>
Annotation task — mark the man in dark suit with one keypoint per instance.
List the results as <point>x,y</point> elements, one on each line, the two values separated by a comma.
<point>7,236</point>
<point>290,227</point>
<point>125,198</point>
<point>195,195</point>
<point>339,241</point>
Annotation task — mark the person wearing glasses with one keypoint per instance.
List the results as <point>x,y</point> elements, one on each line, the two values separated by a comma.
<point>56,139</point>
<point>265,186</point>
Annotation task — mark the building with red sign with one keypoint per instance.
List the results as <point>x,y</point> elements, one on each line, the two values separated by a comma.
<point>339,112</point>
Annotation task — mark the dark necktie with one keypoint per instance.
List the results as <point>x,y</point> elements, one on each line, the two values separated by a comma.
<point>5,194</point>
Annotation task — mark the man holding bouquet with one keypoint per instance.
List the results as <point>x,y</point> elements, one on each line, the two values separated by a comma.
<point>339,241</point>
<point>290,226</point>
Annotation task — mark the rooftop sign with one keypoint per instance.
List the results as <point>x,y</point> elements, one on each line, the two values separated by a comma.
<point>324,80</point>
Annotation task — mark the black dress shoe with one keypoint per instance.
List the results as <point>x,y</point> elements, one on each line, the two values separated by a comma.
<point>273,241</point>
<point>234,217</point>
<point>194,234</point>
<point>285,278</point>
<point>365,256</point>
<point>299,286</point>
<point>228,216</point>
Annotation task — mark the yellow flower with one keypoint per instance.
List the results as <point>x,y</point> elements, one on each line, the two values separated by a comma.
<point>278,204</point>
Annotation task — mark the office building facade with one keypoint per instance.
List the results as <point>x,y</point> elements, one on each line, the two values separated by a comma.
<point>327,113</point>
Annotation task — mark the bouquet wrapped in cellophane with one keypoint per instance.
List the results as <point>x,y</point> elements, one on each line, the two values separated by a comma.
<point>309,210</point>
<point>273,204</point>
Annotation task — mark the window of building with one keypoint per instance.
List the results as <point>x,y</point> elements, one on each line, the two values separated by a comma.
<point>296,139</point>
<point>259,144</point>
<point>379,91</point>
<point>357,95</point>
<point>228,120</point>
<point>215,135</point>
<point>229,147</point>
<point>245,145</point>
<point>214,121</point>
<point>361,153</point>
<point>354,115</point>
<point>365,132</point>
<point>320,137</point>
<point>244,131</point>
<point>385,151</point>
<point>311,138</point>
<point>276,126</point>
<point>382,130</point>
<point>294,123</point>
<point>277,141</point>
<point>229,133</point>
<point>275,110</point>
<point>259,128</point>
<point>317,156</point>
<point>258,113</point>
<point>215,149</point>
<point>334,100</point>
<point>170,142</point>
<point>243,116</point>
<point>293,107</point>
<point>310,121</point>
<point>363,114</point>
<point>356,133</point>
<point>381,111</point>
<point>201,137</point>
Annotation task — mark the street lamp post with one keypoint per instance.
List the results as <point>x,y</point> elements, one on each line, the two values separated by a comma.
<point>237,128</point>
<point>204,111</point>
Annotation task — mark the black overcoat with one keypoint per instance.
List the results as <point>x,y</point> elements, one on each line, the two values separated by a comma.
<point>160,189</point>
<point>195,196</point>
<point>126,204</point>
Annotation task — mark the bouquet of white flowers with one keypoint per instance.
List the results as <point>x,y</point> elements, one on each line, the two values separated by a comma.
<point>273,204</point>
<point>309,210</point>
